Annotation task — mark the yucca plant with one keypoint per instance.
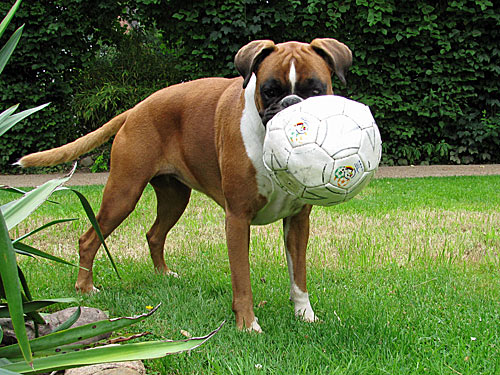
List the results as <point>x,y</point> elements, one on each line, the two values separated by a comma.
<point>54,351</point>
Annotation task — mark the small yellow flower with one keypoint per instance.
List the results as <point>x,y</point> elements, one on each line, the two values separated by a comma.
<point>149,307</point>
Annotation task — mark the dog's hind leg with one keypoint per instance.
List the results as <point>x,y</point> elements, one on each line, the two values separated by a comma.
<point>128,178</point>
<point>118,202</point>
<point>172,198</point>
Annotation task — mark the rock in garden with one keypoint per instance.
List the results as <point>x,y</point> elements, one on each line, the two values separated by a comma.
<point>88,315</point>
<point>87,161</point>
<point>115,368</point>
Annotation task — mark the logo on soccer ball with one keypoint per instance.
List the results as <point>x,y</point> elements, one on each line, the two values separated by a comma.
<point>343,175</point>
<point>298,132</point>
<point>346,173</point>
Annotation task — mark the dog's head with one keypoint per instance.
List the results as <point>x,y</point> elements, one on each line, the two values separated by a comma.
<point>290,72</point>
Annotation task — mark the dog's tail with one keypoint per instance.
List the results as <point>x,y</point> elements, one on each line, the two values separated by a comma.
<point>71,151</point>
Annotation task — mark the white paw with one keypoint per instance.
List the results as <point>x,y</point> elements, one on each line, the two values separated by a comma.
<point>254,327</point>
<point>94,290</point>
<point>303,309</point>
<point>172,274</point>
<point>306,314</point>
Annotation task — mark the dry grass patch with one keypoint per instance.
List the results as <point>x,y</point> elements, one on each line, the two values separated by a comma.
<point>404,237</point>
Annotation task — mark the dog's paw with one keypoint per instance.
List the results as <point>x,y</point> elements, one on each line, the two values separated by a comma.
<point>254,327</point>
<point>306,314</point>
<point>164,270</point>
<point>86,290</point>
<point>172,274</point>
<point>303,309</point>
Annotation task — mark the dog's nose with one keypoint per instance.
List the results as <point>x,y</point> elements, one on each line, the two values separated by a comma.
<point>289,100</point>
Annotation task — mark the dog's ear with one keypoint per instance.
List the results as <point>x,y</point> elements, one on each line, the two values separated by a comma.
<point>337,55</point>
<point>249,57</point>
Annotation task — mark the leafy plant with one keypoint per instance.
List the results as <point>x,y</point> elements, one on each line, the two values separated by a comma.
<point>120,75</point>
<point>53,352</point>
<point>101,163</point>
<point>427,69</point>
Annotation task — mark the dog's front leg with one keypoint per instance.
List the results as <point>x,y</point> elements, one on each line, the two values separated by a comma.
<point>238,238</point>
<point>296,236</point>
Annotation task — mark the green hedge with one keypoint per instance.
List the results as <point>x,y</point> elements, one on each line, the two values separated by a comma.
<point>58,39</point>
<point>429,70</point>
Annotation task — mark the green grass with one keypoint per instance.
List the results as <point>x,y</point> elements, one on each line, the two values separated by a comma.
<point>405,279</point>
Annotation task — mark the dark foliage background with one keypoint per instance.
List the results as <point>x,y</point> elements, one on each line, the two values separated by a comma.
<point>428,69</point>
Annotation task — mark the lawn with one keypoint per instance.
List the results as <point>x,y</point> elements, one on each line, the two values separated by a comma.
<point>405,279</point>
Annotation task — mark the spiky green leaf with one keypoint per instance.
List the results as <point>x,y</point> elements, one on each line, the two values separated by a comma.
<point>91,216</point>
<point>54,222</point>
<point>8,17</point>
<point>36,305</point>
<point>19,210</point>
<point>7,372</point>
<point>10,121</point>
<point>9,47</point>
<point>72,335</point>
<point>12,288</point>
<point>30,250</point>
<point>68,323</point>
<point>109,353</point>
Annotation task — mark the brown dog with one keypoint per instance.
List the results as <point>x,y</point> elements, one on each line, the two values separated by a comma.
<point>207,135</point>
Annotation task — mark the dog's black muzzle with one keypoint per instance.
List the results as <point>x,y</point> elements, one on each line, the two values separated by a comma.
<point>273,109</point>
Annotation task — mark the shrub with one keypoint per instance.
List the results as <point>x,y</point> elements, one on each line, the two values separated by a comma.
<point>118,76</point>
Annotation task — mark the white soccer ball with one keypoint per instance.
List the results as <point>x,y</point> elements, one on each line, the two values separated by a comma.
<point>323,150</point>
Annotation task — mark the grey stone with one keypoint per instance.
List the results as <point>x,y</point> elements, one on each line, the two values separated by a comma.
<point>114,368</point>
<point>88,315</point>
<point>87,161</point>
<point>9,336</point>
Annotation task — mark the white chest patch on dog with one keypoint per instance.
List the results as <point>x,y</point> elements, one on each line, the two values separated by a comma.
<point>279,203</point>
<point>292,76</point>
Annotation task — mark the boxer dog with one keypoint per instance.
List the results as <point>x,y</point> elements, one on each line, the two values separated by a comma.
<point>207,135</point>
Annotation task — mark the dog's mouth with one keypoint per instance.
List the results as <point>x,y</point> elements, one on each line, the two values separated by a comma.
<point>275,108</point>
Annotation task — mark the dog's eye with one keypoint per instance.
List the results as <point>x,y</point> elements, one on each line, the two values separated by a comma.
<point>311,87</point>
<point>270,92</point>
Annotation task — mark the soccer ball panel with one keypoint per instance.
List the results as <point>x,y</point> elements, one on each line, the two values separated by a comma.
<point>276,123</point>
<point>342,133</point>
<point>271,163</point>
<point>359,113</point>
<point>302,129</point>
<point>288,182</point>
<point>307,164</point>
<point>326,195</point>
<point>347,172</point>
<point>276,150</point>
<point>323,106</point>
<point>370,149</point>
<point>345,153</point>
